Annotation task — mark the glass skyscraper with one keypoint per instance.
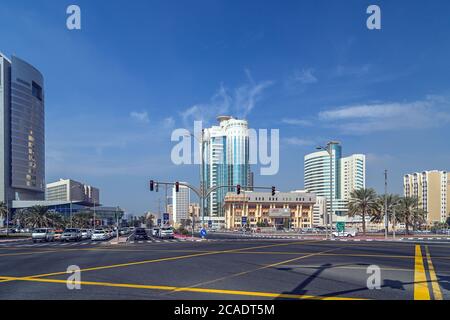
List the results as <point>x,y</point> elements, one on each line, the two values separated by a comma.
<point>22,131</point>
<point>226,150</point>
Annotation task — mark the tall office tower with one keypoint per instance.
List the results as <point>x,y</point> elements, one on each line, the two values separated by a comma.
<point>22,145</point>
<point>347,174</point>
<point>226,150</point>
<point>180,204</point>
<point>432,188</point>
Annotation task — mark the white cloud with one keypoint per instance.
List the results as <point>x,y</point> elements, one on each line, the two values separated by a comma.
<point>433,111</point>
<point>238,102</point>
<point>305,76</point>
<point>140,116</point>
<point>294,141</point>
<point>296,122</point>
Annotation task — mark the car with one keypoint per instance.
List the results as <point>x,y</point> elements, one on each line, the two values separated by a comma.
<point>155,232</point>
<point>71,234</point>
<point>58,234</point>
<point>100,235</point>
<point>124,231</point>
<point>85,234</point>
<point>43,234</point>
<point>346,233</point>
<point>166,233</point>
<point>140,233</point>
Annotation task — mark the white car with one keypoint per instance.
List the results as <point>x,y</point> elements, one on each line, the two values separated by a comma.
<point>100,235</point>
<point>43,234</point>
<point>166,233</point>
<point>346,233</point>
<point>86,234</point>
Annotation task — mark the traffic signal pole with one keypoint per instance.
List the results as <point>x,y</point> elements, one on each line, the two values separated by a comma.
<point>201,192</point>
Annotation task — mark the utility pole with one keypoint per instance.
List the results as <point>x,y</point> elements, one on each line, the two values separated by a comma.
<point>7,218</point>
<point>117,217</point>
<point>386,218</point>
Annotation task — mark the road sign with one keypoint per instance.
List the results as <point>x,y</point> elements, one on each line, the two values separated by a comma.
<point>340,226</point>
<point>244,220</point>
<point>209,223</point>
<point>165,218</point>
<point>203,233</point>
<point>159,222</point>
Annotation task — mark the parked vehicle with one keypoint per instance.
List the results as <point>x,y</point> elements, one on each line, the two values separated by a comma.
<point>166,233</point>
<point>346,233</point>
<point>71,234</point>
<point>155,232</point>
<point>58,234</point>
<point>43,234</point>
<point>100,235</point>
<point>86,234</point>
<point>140,233</point>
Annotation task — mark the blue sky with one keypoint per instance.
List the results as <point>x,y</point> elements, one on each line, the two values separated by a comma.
<point>116,89</point>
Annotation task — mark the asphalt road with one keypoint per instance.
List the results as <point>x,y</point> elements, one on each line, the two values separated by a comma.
<point>226,269</point>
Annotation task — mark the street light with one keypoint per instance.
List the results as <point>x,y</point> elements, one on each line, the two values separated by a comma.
<point>329,149</point>
<point>202,182</point>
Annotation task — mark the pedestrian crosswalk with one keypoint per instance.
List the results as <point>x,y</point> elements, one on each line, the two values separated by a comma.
<point>156,241</point>
<point>86,243</point>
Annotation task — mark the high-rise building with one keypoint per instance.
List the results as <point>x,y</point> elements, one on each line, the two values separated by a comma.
<point>347,175</point>
<point>432,188</point>
<point>71,190</point>
<point>180,204</point>
<point>226,151</point>
<point>22,131</point>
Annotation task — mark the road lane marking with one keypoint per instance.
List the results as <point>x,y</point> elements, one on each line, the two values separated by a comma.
<point>421,291</point>
<point>161,259</point>
<point>437,294</point>
<point>260,268</point>
<point>184,289</point>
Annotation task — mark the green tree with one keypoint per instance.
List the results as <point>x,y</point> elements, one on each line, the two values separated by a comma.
<point>3,211</point>
<point>363,202</point>
<point>82,219</point>
<point>392,203</point>
<point>36,217</point>
<point>410,213</point>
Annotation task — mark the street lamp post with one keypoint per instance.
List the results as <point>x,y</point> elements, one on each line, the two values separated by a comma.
<point>202,178</point>
<point>386,219</point>
<point>329,149</point>
<point>117,218</point>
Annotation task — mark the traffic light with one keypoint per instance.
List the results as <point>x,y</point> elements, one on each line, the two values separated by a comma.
<point>157,187</point>
<point>273,191</point>
<point>238,189</point>
<point>152,185</point>
<point>177,186</point>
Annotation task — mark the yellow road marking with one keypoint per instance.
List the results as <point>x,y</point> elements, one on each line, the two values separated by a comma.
<point>434,282</point>
<point>421,291</point>
<point>173,288</point>
<point>261,268</point>
<point>160,260</point>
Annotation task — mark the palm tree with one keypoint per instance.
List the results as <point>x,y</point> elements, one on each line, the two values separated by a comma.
<point>3,211</point>
<point>410,213</point>
<point>378,215</point>
<point>37,217</point>
<point>362,202</point>
<point>82,219</point>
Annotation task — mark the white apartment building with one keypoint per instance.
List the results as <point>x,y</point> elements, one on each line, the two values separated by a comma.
<point>180,204</point>
<point>70,190</point>
<point>347,175</point>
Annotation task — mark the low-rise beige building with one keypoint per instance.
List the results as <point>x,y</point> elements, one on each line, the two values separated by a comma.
<point>284,209</point>
<point>432,188</point>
